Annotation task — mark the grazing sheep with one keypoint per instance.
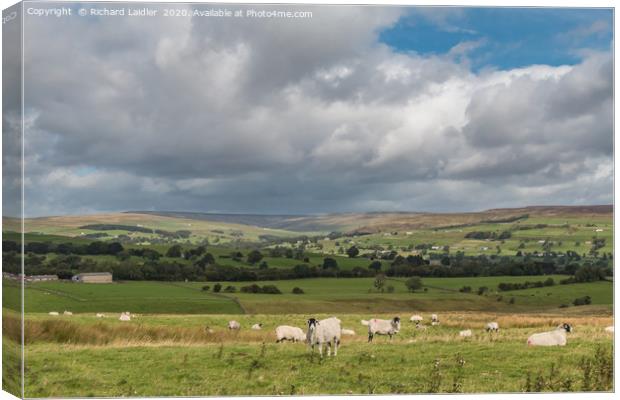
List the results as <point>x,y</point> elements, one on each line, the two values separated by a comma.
<point>349,332</point>
<point>610,329</point>
<point>257,327</point>
<point>125,316</point>
<point>465,333</point>
<point>492,327</point>
<point>434,319</point>
<point>364,322</point>
<point>67,313</point>
<point>388,327</point>
<point>234,325</point>
<point>100,315</point>
<point>326,331</point>
<point>292,333</point>
<point>556,337</point>
<point>416,319</point>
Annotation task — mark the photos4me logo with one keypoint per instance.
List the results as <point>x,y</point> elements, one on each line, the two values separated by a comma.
<point>9,17</point>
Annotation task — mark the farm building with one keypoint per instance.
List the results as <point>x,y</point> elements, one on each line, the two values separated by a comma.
<point>93,277</point>
<point>41,278</point>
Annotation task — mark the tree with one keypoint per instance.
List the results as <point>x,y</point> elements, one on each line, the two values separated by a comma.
<point>329,262</point>
<point>174,251</point>
<point>353,252</point>
<point>375,266</point>
<point>379,282</point>
<point>254,256</point>
<point>297,290</point>
<point>217,287</point>
<point>414,283</point>
<point>206,288</point>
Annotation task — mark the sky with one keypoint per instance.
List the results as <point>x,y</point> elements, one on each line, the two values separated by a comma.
<point>355,109</point>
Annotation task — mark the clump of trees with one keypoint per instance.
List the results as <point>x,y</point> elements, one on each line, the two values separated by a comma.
<point>266,289</point>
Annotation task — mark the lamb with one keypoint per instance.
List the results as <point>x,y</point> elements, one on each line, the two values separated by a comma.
<point>434,319</point>
<point>492,327</point>
<point>67,313</point>
<point>610,329</point>
<point>234,325</point>
<point>125,316</point>
<point>388,327</point>
<point>326,331</point>
<point>556,337</point>
<point>364,322</point>
<point>257,327</point>
<point>465,333</point>
<point>349,332</point>
<point>292,333</point>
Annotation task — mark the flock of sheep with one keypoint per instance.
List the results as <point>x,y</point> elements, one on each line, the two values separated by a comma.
<point>125,316</point>
<point>327,332</point>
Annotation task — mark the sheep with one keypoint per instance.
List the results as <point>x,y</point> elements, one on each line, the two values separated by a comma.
<point>465,333</point>
<point>364,322</point>
<point>234,325</point>
<point>492,327</point>
<point>125,316</point>
<point>209,330</point>
<point>100,315</point>
<point>53,313</point>
<point>67,313</point>
<point>556,337</point>
<point>388,327</point>
<point>610,329</point>
<point>326,331</point>
<point>416,319</point>
<point>349,332</point>
<point>421,327</point>
<point>257,327</point>
<point>292,333</point>
<point>434,319</point>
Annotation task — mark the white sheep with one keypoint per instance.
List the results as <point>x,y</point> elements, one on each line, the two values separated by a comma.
<point>610,329</point>
<point>326,331</point>
<point>388,327</point>
<point>492,327</point>
<point>257,327</point>
<point>67,313</point>
<point>465,333</point>
<point>292,333</point>
<point>434,319</point>
<point>349,332</point>
<point>556,337</point>
<point>416,319</point>
<point>234,325</point>
<point>364,322</point>
<point>100,315</point>
<point>125,316</point>
<point>53,313</point>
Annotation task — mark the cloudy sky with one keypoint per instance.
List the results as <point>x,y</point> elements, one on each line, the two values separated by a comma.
<point>354,109</point>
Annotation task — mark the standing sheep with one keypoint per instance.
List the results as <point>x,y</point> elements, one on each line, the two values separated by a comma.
<point>292,333</point>
<point>326,331</point>
<point>434,319</point>
<point>492,327</point>
<point>388,327</point>
<point>234,325</point>
<point>556,337</point>
<point>257,327</point>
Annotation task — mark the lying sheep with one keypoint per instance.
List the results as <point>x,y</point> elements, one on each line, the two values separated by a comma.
<point>364,322</point>
<point>465,333</point>
<point>234,325</point>
<point>610,329</point>
<point>556,337</point>
<point>257,327</point>
<point>492,327</point>
<point>100,315</point>
<point>326,331</point>
<point>53,313</point>
<point>67,313</point>
<point>292,333</point>
<point>421,327</point>
<point>388,327</point>
<point>125,316</point>
<point>416,319</point>
<point>349,332</point>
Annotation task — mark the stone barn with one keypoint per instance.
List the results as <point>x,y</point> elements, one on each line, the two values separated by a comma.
<point>93,277</point>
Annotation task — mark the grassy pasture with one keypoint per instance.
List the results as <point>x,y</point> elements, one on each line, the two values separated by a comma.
<point>82,356</point>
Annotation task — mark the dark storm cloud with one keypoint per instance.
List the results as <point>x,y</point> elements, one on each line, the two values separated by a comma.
<point>300,116</point>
